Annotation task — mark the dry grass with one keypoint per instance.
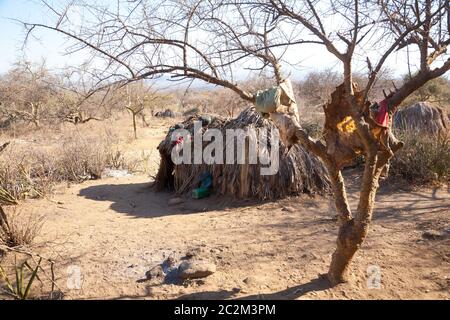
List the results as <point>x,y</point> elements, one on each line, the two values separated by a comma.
<point>299,171</point>
<point>31,167</point>
<point>33,173</point>
<point>19,229</point>
<point>425,159</point>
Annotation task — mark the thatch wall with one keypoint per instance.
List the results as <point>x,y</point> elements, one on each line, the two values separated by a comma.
<point>423,117</point>
<point>299,171</point>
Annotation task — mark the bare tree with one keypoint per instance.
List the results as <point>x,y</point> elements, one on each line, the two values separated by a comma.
<point>138,97</point>
<point>77,100</point>
<point>135,108</point>
<point>400,24</point>
<point>316,88</point>
<point>212,40</point>
<point>25,92</point>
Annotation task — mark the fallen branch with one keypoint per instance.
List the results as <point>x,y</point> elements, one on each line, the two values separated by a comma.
<point>3,146</point>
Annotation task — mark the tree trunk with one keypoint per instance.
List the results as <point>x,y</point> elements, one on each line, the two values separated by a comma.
<point>352,232</point>
<point>349,239</point>
<point>4,221</point>
<point>134,125</point>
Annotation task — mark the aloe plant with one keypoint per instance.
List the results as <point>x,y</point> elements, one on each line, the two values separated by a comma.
<point>21,288</point>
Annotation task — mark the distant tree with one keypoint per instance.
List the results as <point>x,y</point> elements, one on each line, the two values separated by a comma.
<point>139,96</point>
<point>434,91</point>
<point>25,92</point>
<point>316,88</point>
<point>77,100</point>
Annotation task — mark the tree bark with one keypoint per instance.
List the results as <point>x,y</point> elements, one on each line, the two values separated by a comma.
<point>134,125</point>
<point>353,232</point>
<point>4,225</point>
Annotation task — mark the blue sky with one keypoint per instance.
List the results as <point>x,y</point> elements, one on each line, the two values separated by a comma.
<point>49,45</point>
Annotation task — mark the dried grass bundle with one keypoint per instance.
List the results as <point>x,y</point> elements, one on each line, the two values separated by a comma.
<point>299,171</point>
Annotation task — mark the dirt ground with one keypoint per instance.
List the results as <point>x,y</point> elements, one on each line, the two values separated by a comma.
<point>113,230</point>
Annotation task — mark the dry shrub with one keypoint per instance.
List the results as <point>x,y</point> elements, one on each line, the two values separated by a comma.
<point>313,128</point>
<point>83,159</point>
<point>425,159</point>
<point>25,173</point>
<point>18,228</point>
<point>33,172</point>
<point>116,159</point>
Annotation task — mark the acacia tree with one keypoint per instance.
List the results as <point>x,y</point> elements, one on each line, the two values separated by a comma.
<point>78,99</point>
<point>25,92</point>
<point>139,96</point>
<point>400,24</point>
<point>212,40</point>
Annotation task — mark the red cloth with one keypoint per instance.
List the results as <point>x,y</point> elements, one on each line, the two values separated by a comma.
<point>179,140</point>
<point>382,117</point>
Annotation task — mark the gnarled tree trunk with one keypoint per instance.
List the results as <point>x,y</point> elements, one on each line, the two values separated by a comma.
<point>353,229</point>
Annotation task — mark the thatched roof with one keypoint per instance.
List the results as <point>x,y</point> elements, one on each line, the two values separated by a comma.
<point>165,114</point>
<point>299,171</point>
<point>424,117</point>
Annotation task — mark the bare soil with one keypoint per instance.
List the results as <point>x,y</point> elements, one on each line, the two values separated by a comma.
<point>116,229</point>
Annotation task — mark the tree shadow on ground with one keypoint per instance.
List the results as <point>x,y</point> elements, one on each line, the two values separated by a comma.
<point>409,203</point>
<point>141,201</point>
<point>318,284</point>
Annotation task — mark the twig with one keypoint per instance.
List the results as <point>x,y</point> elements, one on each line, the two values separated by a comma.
<point>3,146</point>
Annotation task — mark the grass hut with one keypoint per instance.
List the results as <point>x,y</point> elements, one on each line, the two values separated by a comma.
<point>299,171</point>
<point>422,117</point>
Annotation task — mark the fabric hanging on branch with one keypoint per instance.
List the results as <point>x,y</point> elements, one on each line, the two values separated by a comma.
<point>277,99</point>
<point>268,101</point>
<point>382,117</point>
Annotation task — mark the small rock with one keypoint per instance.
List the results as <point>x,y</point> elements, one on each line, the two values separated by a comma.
<point>251,281</point>
<point>169,262</point>
<point>190,254</point>
<point>433,235</point>
<point>287,209</point>
<point>116,173</point>
<point>196,269</point>
<point>175,201</point>
<point>155,272</point>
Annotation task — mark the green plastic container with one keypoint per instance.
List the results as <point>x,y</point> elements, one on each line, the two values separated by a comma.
<point>200,193</point>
